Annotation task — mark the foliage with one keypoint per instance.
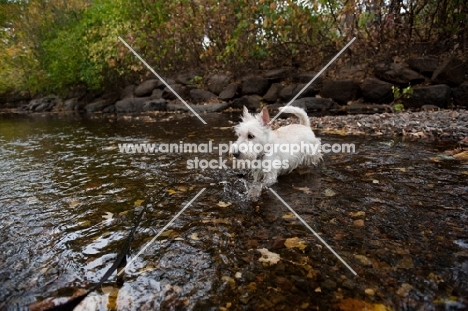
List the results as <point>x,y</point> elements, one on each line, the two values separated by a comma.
<point>398,94</point>
<point>54,45</point>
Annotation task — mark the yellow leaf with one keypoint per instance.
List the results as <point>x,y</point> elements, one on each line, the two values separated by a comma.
<point>194,237</point>
<point>224,204</point>
<point>171,191</point>
<point>138,202</point>
<point>108,215</point>
<point>461,156</point>
<point>357,214</point>
<point>295,243</point>
<point>329,193</point>
<point>288,216</point>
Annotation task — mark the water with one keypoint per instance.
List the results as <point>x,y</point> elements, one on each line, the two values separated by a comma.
<point>396,211</point>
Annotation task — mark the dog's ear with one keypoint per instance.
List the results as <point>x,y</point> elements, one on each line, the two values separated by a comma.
<point>246,112</point>
<point>265,116</point>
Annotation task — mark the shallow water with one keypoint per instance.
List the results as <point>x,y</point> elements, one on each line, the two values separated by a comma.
<point>396,211</point>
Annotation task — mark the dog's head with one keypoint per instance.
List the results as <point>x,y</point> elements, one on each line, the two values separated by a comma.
<point>253,134</point>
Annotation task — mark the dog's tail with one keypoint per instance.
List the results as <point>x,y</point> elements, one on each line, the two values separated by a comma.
<point>298,112</point>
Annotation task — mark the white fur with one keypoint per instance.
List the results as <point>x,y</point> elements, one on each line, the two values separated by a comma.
<point>255,130</point>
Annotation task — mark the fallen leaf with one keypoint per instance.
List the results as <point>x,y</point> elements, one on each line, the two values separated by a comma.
<point>288,216</point>
<point>404,289</point>
<point>375,181</point>
<point>364,260</point>
<point>224,204</point>
<point>352,304</point>
<point>138,202</point>
<point>306,190</point>
<point>329,193</point>
<point>171,191</point>
<point>357,214</point>
<point>295,243</point>
<point>194,237</point>
<point>108,215</point>
<point>461,156</point>
<point>73,203</point>
<point>268,257</point>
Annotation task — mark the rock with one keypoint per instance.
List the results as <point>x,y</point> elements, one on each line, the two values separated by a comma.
<point>358,223</point>
<point>98,105</point>
<point>364,260</point>
<point>450,72</point>
<point>277,75</point>
<point>188,78</point>
<point>128,91</point>
<point>423,65</point>
<point>155,105</point>
<point>437,95</point>
<point>272,94</point>
<point>287,92</point>
<point>314,104</point>
<point>147,87</point>
<point>178,88</point>
<point>217,83</point>
<point>460,95</point>
<point>255,86</point>
<point>201,96</point>
<point>130,104</point>
<point>252,102</point>
<point>157,94</point>
<point>376,91</point>
<point>44,104</point>
<point>348,284</point>
<point>398,74</point>
<point>328,285</point>
<point>71,104</point>
<point>307,77</point>
<point>356,73</point>
<point>109,109</point>
<point>229,92</point>
<point>341,91</point>
<point>212,107</point>
<point>359,108</point>
<point>310,91</point>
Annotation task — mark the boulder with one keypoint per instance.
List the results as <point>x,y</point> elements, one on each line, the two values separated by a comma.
<point>255,86</point>
<point>147,87</point>
<point>437,95</point>
<point>44,104</point>
<point>252,102</point>
<point>287,92</point>
<point>376,91</point>
<point>423,65</point>
<point>154,105</point>
<point>130,104</point>
<point>314,104</point>
<point>71,104</point>
<point>98,106</point>
<point>460,95</point>
<point>217,83</point>
<point>109,109</point>
<point>307,77</point>
<point>229,92</point>
<point>398,74</point>
<point>188,78</point>
<point>201,96</point>
<point>277,75</point>
<point>310,91</point>
<point>178,88</point>
<point>451,72</point>
<point>273,92</point>
<point>341,91</point>
<point>157,94</point>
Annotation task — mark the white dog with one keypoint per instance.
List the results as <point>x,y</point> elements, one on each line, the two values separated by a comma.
<point>270,153</point>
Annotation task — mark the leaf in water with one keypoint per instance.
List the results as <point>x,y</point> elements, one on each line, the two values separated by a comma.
<point>138,202</point>
<point>295,243</point>
<point>375,181</point>
<point>404,289</point>
<point>171,191</point>
<point>108,215</point>
<point>194,237</point>
<point>461,156</point>
<point>352,304</point>
<point>306,190</point>
<point>329,193</point>
<point>268,257</point>
<point>73,203</point>
<point>182,188</point>
<point>224,204</point>
<point>357,214</point>
<point>289,216</point>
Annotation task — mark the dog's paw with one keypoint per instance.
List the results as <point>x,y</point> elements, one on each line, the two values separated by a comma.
<point>255,191</point>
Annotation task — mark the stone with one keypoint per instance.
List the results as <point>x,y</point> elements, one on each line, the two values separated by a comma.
<point>252,102</point>
<point>155,105</point>
<point>307,77</point>
<point>341,91</point>
<point>188,78</point>
<point>451,72</point>
<point>255,86</point>
<point>201,96</point>
<point>398,74</point>
<point>147,87</point>
<point>277,75</point>
<point>157,94</point>
<point>437,95</point>
<point>287,92</point>
<point>98,105</point>
<point>272,95</point>
<point>314,104</point>
<point>328,285</point>
<point>130,104</point>
<point>310,91</point>
<point>229,92</point>
<point>178,88</point>
<point>360,108</point>
<point>109,109</point>
<point>424,65</point>
<point>460,95</point>
<point>217,83</point>
<point>376,91</point>
<point>44,104</point>
<point>71,104</point>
